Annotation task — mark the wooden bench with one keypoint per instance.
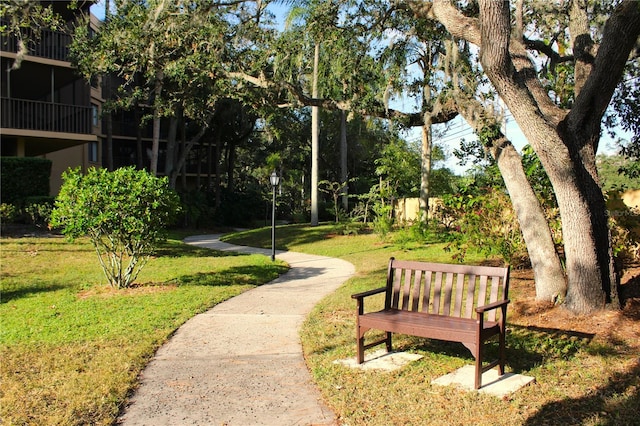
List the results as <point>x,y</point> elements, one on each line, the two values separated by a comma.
<point>457,303</point>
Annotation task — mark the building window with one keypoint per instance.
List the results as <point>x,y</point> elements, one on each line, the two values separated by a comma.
<point>93,152</point>
<point>94,115</point>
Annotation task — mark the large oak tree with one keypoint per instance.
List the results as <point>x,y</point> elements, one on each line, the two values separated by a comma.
<point>565,137</point>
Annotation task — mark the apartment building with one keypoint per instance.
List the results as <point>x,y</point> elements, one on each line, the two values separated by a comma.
<point>46,108</point>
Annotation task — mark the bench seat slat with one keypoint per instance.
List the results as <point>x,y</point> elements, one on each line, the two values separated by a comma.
<point>430,326</point>
<point>416,290</point>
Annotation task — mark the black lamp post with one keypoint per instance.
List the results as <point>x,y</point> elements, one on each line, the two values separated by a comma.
<point>275,180</point>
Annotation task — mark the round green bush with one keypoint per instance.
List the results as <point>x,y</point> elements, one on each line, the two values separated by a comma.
<point>125,214</point>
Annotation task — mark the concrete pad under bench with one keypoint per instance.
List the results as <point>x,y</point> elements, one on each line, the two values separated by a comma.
<point>463,377</point>
<point>381,360</point>
<point>492,384</point>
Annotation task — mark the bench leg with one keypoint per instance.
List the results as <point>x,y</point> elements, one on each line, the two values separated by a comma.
<point>360,340</point>
<point>478,378</point>
<point>501,354</point>
<point>361,346</point>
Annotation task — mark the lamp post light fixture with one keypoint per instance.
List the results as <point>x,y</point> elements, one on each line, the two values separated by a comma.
<point>275,180</point>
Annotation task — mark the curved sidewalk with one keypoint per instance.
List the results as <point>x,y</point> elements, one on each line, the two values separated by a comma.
<point>241,362</point>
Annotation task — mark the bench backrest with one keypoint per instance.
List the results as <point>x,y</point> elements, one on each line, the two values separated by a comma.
<point>445,289</point>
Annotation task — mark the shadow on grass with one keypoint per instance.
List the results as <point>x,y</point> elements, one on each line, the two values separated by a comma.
<point>286,236</point>
<point>24,291</point>
<point>528,347</point>
<point>437,347</point>
<point>173,250</point>
<point>238,275</point>
<point>614,403</point>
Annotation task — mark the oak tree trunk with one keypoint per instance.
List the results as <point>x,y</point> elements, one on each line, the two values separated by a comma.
<point>344,171</point>
<point>425,168</point>
<point>548,273</point>
<point>566,145</point>
<point>547,270</point>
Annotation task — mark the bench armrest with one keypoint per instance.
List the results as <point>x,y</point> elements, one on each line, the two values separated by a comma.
<point>368,293</point>
<point>360,297</point>
<point>490,306</point>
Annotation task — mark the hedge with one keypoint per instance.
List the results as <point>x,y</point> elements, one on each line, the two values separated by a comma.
<point>23,177</point>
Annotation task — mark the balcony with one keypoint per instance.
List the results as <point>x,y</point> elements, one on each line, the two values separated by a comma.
<point>44,116</point>
<point>51,45</point>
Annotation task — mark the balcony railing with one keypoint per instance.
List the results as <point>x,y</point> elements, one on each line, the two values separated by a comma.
<point>51,45</point>
<point>44,116</point>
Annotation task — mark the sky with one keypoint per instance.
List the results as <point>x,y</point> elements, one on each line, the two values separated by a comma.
<point>459,129</point>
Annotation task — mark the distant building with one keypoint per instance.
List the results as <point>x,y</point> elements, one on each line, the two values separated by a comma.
<point>46,109</point>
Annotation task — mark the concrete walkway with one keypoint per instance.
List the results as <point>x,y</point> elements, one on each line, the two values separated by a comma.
<point>241,362</point>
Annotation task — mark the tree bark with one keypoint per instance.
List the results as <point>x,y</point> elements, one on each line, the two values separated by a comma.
<point>425,168</point>
<point>315,142</point>
<point>547,269</point>
<point>585,286</point>
<point>344,172</point>
<point>545,262</point>
<point>155,144</point>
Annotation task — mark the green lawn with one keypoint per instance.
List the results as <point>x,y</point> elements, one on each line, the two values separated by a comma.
<point>72,348</point>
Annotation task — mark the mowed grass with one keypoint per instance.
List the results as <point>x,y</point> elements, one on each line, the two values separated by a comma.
<point>72,348</point>
<point>582,378</point>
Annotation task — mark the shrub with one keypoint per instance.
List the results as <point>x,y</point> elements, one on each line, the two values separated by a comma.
<point>487,222</point>
<point>380,200</point>
<point>23,177</point>
<point>383,219</point>
<point>8,213</point>
<point>125,214</point>
<point>624,223</point>
<point>38,210</point>
<point>416,232</point>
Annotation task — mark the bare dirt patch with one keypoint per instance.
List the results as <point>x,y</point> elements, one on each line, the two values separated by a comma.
<point>608,325</point>
<point>135,290</point>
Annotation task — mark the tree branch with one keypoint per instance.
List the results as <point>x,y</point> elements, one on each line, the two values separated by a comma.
<point>442,112</point>
<point>458,25</point>
<point>542,47</point>
<point>619,38</point>
<point>513,66</point>
<point>495,34</point>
